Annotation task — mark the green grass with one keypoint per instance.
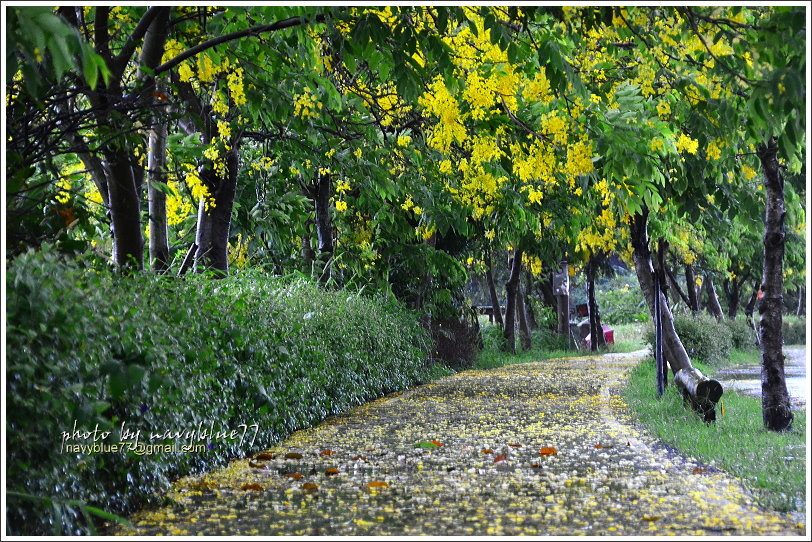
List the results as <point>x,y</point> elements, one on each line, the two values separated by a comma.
<point>773,465</point>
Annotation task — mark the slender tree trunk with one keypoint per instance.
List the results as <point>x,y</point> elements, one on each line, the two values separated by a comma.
<point>528,307</point>
<point>562,295</point>
<point>545,287</point>
<point>214,223</point>
<point>801,301</point>
<point>524,329</point>
<point>672,280</point>
<point>732,289</point>
<point>308,255</point>
<point>690,285</point>
<point>158,228</point>
<point>714,307</point>
<point>324,226</point>
<point>595,327</point>
<point>672,346</point>
<point>775,406</point>
<point>512,287</point>
<point>496,306</point>
<point>751,303</point>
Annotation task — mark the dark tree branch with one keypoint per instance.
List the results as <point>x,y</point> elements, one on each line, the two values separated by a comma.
<point>253,31</point>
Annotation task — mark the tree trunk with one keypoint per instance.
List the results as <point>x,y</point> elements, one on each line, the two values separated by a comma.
<point>751,303</point>
<point>524,329</point>
<point>775,406</point>
<point>732,289</point>
<point>324,227</point>
<point>214,223</point>
<point>308,255</point>
<point>690,285</point>
<point>158,228</point>
<point>496,306</point>
<point>672,280</point>
<point>125,208</point>
<point>511,287</point>
<point>528,307</point>
<point>561,291</point>
<point>673,349</point>
<point>714,307</point>
<point>801,301</point>
<point>595,328</point>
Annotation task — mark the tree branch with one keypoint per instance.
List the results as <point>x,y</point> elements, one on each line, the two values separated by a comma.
<point>119,63</point>
<point>253,31</point>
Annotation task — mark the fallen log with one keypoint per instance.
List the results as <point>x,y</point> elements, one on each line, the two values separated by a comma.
<point>700,391</point>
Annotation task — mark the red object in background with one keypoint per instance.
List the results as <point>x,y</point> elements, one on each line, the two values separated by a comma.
<point>608,335</point>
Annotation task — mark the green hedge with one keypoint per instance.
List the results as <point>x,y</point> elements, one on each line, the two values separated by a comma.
<point>164,354</point>
<point>703,337</point>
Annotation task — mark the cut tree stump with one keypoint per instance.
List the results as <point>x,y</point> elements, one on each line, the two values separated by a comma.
<point>700,391</point>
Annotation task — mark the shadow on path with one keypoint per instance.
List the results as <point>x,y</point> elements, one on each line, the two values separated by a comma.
<point>544,448</point>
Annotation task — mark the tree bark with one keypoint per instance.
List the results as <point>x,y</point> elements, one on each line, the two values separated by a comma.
<point>324,227</point>
<point>214,223</point>
<point>732,289</point>
<point>125,208</point>
<point>690,285</point>
<point>511,287</point>
<point>597,339</point>
<point>673,349</point>
<point>714,307</point>
<point>801,301</point>
<point>563,302</point>
<point>496,306</point>
<point>308,255</point>
<point>775,407</point>
<point>528,307</point>
<point>524,329</point>
<point>675,285</point>
<point>158,227</point>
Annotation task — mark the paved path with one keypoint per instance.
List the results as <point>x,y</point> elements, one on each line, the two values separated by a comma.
<point>598,474</point>
<point>747,378</point>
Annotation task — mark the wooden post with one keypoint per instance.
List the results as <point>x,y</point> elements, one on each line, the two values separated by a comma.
<point>658,337</point>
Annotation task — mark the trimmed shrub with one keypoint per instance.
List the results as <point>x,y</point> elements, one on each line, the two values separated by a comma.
<point>742,335</point>
<point>794,330</point>
<point>703,337</point>
<point>160,354</point>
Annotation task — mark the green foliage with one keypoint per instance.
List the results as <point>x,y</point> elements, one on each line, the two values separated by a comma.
<point>794,330</point>
<point>621,303</point>
<point>702,336</point>
<point>743,337</point>
<point>162,354</point>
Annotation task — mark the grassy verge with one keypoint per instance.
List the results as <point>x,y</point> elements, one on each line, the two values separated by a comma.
<point>773,465</point>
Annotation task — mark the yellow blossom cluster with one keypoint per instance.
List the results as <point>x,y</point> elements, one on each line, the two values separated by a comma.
<point>199,190</point>
<point>238,252</point>
<point>686,144</point>
<point>306,105</point>
<point>178,208</point>
<point>712,151</point>
<point>533,263</point>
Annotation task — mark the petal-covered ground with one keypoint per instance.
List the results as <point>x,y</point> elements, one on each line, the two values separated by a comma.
<point>543,448</point>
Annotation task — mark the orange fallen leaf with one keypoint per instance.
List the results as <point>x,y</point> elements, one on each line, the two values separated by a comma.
<point>326,452</point>
<point>500,457</point>
<point>699,470</point>
<point>514,445</point>
<point>359,457</point>
<point>265,456</point>
<point>548,450</point>
<point>294,475</point>
<point>436,443</point>
<point>373,485</point>
<point>310,487</point>
<point>293,455</point>
<point>331,471</point>
<point>254,487</point>
<point>487,451</point>
<point>599,446</point>
<point>535,465</point>
<point>256,464</point>
<point>650,518</point>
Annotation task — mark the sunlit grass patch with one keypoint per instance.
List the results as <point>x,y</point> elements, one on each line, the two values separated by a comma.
<point>773,465</point>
